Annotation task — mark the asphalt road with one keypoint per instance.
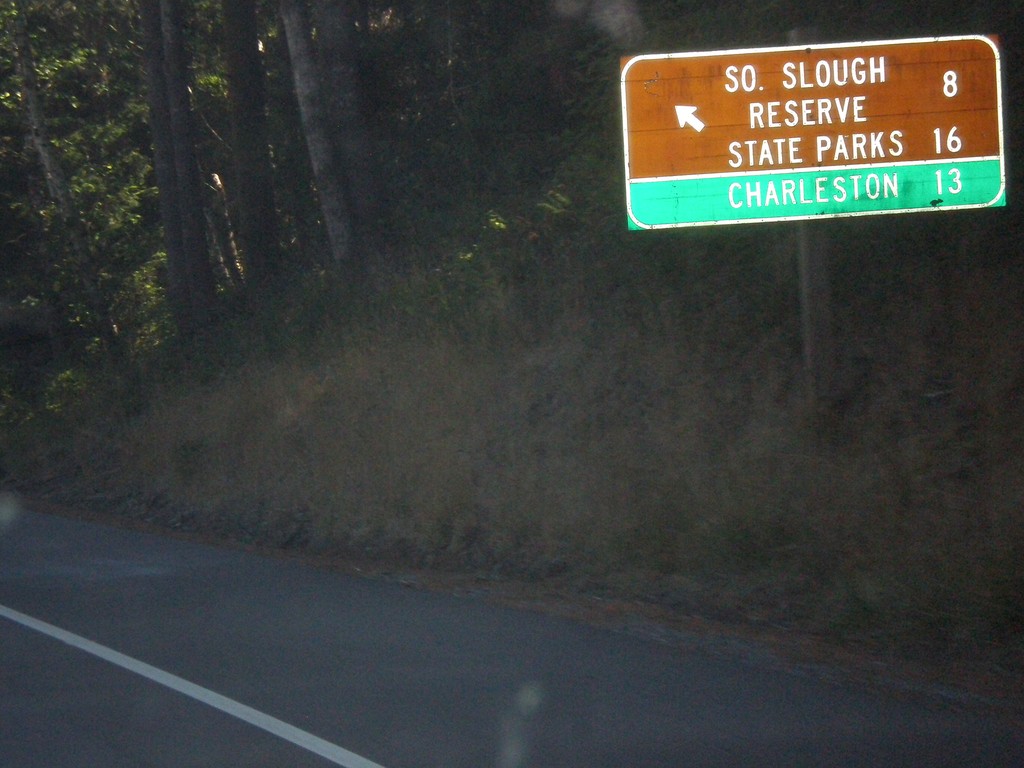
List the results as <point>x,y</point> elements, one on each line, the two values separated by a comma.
<point>119,648</point>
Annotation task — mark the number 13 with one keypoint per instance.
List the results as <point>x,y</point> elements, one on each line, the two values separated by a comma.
<point>955,186</point>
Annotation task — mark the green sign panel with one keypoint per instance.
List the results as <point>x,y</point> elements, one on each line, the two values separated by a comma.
<point>854,191</point>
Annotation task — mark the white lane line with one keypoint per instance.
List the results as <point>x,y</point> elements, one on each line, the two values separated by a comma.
<point>271,725</point>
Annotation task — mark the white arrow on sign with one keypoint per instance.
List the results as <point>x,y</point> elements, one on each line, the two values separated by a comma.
<point>688,117</point>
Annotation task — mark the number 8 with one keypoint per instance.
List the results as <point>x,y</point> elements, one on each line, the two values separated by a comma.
<point>949,86</point>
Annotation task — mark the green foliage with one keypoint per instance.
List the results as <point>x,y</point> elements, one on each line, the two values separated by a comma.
<point>65,390</point>
<point>91,95</point>
<point>140,310</point>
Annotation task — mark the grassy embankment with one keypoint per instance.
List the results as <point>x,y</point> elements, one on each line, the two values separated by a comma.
<point>647,433</point>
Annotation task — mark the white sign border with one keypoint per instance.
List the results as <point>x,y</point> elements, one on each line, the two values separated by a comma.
<point>808,47</point>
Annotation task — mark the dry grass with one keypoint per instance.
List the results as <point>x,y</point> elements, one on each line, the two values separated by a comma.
<point>663,449</point>
<point>618,458</point>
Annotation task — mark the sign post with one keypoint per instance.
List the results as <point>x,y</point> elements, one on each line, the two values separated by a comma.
<point>809,131</point>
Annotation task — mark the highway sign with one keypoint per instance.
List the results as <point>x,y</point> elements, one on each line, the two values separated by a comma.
<point>808,131</point>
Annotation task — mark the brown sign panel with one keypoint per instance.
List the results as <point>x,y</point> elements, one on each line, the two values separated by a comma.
<point>812,106</point>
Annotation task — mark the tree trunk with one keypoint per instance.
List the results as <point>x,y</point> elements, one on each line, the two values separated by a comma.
<point>219,223</point>
<point>190,275</point>
<point>190,284</point>
<point>197,268</point>
<point>56,181</point>
<point>333,203</point>
<point>254,181</point>
<point>338,70</point>
<point>163,162</point>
